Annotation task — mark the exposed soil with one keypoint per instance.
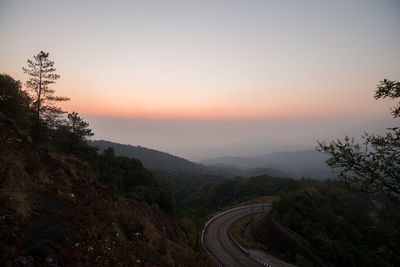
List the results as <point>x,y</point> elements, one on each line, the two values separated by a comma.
<point>55,213</point>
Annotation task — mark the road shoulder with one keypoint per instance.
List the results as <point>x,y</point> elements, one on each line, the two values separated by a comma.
<point>241,234</point>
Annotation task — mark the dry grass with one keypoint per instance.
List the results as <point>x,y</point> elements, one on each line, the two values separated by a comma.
<point>52,206</point>
<point>241,231</point>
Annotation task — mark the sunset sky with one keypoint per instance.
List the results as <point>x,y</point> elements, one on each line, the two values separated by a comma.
<point>211,78</point>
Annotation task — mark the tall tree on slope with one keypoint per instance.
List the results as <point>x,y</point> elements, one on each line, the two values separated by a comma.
<point>42,74</point>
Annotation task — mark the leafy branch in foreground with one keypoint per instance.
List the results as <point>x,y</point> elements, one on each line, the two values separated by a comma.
<point>389,89</point>
<point>373,166</point>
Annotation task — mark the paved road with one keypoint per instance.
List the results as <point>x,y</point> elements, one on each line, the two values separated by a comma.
<point>217,242</point>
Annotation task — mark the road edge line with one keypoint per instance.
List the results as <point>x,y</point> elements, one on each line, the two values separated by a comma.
<point>204,232</point>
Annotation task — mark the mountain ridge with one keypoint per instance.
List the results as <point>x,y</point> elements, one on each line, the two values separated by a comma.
<point>151,158</point>
<point>304,163</point>
<point>158,160</point>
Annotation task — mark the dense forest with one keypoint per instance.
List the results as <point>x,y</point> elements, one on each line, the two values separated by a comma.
<point>217,195</point>
<point>346,228</point>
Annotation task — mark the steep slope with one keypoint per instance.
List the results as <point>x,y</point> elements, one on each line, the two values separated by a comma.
<point>54,212</point>
<point>152,159</point>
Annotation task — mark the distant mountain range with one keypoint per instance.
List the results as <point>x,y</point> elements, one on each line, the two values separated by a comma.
<point>157,160</point>
<point>309,163</point>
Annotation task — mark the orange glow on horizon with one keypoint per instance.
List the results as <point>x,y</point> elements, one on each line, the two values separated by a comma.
<point>268,103</point>
<point>204,112</point>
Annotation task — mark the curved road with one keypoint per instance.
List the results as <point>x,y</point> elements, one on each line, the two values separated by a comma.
<point>217,242</point>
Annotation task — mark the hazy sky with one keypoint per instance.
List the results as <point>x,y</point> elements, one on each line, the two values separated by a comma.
<point>210,78</point>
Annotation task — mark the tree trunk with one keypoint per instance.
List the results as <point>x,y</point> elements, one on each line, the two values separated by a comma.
<point>39,95</point>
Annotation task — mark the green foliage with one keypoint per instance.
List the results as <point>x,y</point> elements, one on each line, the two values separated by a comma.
<point>389,89</point>
<point>79,129</point>
<point>186,184</point>
<point>215,195</point>
<point>14,102</point>
<point>338,224</point>
<point>375,165</point>
<point>72,135</point>
<point>127,176</point>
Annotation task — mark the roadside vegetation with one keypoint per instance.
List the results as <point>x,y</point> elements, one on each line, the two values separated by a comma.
<point>345,228</point>
<point>217,195</point>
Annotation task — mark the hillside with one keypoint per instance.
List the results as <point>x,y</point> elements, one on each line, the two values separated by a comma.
<point>219,194</point>
<point>238,162</point>
<point>162,161</point>
<point>343,228</point>
<point>151,158</point>
<point>54,212</point>
<point>308,163</point>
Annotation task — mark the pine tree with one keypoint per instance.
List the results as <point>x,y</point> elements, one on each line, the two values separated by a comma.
<point>42,74</point>
<point>78,128</point>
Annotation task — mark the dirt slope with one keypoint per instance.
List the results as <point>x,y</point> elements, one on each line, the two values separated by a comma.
<point>54,212</point>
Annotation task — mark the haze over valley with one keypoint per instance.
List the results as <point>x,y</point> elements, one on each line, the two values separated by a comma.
<point>197,140</point>
<point>204,79</point>
<point>200,133</point>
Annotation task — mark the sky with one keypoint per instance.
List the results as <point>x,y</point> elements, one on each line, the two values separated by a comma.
<point>213,78</point>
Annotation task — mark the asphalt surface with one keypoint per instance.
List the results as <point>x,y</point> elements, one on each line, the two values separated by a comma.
<point>217,240</point>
